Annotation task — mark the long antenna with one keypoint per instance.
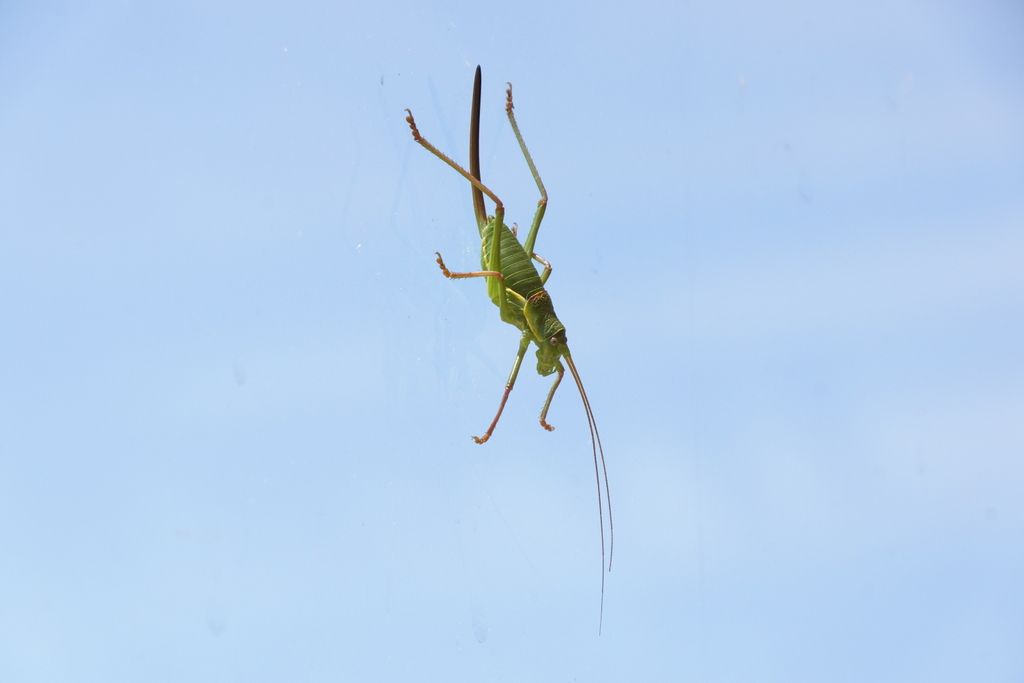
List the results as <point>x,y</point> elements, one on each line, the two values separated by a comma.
<point>597,448</point>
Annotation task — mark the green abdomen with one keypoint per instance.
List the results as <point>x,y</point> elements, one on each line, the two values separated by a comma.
<point>520,275</point>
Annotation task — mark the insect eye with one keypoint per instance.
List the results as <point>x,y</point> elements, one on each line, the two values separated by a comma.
<point>553,340</point>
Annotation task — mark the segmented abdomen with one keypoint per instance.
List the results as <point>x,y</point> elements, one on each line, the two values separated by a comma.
<point>520,275</point>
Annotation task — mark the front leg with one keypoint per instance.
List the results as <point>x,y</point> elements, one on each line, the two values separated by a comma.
<point>551,395</point>
<point>524,343</point>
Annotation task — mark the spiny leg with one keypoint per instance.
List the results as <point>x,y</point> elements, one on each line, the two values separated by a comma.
<point>524,343</point>
<point>542,203</point>
<point>499,208</point>
<point>476,273</point>
<point>551,395</point>
<point>494,258</point>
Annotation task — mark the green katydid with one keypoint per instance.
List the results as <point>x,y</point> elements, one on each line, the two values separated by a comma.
<point>517,289</point>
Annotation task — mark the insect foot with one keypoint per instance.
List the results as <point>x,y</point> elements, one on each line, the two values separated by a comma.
<point>481,439</point>
<point>444,268</point>
<point>412,124</point>
<point>508,98</point>
<point>545,425</point>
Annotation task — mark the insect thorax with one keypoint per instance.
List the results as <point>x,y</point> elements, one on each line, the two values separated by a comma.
<point>540,316</point>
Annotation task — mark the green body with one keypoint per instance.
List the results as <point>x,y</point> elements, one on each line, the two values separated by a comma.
<point>517,289</point>
<point>524,303</point>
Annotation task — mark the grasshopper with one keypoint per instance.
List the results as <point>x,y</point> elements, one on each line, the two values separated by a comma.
<point>517,289</point>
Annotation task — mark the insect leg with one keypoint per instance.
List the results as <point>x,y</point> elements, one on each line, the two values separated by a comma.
<point>499,208</point>
<point>547,267</point>
<point>476,273</point>
<point>524,343</point>
<point>551,395</point>
<point>542,203</point>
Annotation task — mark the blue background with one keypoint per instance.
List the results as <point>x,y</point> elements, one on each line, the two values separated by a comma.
<point>236,394</point>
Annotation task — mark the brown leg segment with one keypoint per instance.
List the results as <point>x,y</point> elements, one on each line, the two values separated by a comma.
<point>524,344</point>
<point>476,273</point>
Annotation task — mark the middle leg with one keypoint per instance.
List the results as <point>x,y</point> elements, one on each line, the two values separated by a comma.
<point>475,273</point>
<point>547,267</point>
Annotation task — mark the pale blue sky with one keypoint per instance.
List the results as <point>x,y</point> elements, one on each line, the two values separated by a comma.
<point>236,394</point>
